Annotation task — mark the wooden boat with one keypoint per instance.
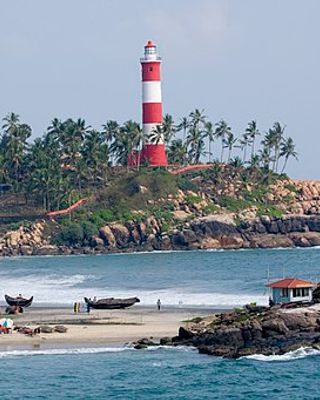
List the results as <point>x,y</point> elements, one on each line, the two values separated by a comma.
<point>18,301</point>
<point>112,303</point>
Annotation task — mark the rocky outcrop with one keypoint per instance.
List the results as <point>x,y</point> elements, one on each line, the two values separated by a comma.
<point>253,330</point>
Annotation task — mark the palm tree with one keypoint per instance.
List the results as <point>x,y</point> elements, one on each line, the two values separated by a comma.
<point>13,147</point>
<point>156,135</point>
<point>278,132</point>
<point>109,131</point>
<point>222,131</point>
<point>264,155</point>
<point>183,126</point>
<point>236,162</point>
<point>252,132</point>
<point>287,150</point>
<point>195,140</point>
<point>244,141</point>
<point>210,134</point>
<point>177,152</point>
<point>168,128</point>
<point>95,153</point>
<point>254,161</point>
<point>228,143</point>
<point>197,117</point>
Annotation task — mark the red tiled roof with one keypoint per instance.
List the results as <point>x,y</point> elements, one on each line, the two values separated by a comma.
<point>291,283</point>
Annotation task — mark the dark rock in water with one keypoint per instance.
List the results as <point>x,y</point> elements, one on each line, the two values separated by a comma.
<point>252,330</point>
<point>144,343</point>
<point>166,341</point>
<point>147,342</point>
<point>184,334</point>
<point>140,346</point>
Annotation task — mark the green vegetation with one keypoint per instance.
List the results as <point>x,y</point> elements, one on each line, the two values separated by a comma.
<point>72,160</point>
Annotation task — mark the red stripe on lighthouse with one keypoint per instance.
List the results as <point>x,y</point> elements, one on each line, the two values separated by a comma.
<point>152,112</point>
<point>151,71</point>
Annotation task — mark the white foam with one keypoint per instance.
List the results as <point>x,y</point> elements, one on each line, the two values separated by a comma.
<point>290,356</point>
<point>84,350</point>
<point>65,289</point>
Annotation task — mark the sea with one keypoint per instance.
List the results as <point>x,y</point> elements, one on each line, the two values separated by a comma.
<point>194,279</point>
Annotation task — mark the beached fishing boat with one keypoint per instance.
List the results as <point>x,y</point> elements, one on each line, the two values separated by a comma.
<point>18,301</point>
<point>112,303</point>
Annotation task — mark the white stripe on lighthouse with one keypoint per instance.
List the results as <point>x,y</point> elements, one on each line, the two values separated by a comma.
<point>151,92</point>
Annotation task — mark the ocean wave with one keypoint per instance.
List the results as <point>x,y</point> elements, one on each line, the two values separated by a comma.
<point>290,356</point>
<point>61,289</point>
<point>85,350</point>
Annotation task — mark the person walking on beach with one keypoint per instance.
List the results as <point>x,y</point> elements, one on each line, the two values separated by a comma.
<point>159,304</point>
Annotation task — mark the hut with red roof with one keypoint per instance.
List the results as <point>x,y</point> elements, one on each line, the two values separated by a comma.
<point>290,290</point>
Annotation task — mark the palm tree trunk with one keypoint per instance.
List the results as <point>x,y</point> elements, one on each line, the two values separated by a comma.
<point>284,165</point>
<point>222,148</point>
<point>252,148</point>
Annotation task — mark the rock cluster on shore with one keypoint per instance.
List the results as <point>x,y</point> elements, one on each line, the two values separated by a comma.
<point>193,227</point>
<point>247,331</point>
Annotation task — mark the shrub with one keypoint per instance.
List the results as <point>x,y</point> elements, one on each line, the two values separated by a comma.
<point>234,205</point>
<point>89,229</point>
<point>186,184</point>
<point>211,209</point>
<point>70,234</point>
<point>192,199</point>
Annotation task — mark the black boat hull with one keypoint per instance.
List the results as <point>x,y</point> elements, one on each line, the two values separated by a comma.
<point>18,301</point>
<point>111,303</point>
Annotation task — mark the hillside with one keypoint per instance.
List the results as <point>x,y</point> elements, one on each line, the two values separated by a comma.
<point>218,207</point>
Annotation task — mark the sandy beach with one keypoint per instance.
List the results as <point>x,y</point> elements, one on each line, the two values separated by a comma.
<point>98,327</point>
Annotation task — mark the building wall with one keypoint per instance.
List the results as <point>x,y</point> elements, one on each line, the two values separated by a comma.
<point>278,298</point>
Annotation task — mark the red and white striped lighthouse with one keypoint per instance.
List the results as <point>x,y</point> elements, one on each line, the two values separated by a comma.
<point>154,154</point>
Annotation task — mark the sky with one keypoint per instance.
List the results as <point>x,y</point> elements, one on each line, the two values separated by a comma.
<point>237,60</point>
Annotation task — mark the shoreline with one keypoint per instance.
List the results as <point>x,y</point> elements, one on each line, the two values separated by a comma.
<point>100,327</point>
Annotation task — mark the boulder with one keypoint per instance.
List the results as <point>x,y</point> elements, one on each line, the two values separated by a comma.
<point>96,241</point>
<point>107,236</point>
<point>209,243</point>
<point>47,250</point>
<point>26,250</point>
<point>231,242</point>
<point>181,215</point>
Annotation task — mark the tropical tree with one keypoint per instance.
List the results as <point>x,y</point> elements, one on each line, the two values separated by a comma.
<point>168,128</point>
<point>222,131</point>
<point>156,135</point>
<point>210,134</point>
<point>195,140</point>
<point>13,147</point>
<point>243,145</point>
<point>287,150</point>
<point>183,126</point>
<point>95,153</point>
<point>228,143</point>
<point>177,152</point>
<point>109,131</point>
<point>278,132</point>
<point>252,132</point>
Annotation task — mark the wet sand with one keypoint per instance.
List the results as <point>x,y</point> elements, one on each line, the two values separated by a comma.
<point>98,327</point>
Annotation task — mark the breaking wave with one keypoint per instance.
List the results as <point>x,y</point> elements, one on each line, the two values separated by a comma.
<point>290,356</point>
<point>84,350</point>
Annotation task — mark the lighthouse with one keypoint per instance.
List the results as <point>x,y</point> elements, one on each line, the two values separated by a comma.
<point>153,153</point>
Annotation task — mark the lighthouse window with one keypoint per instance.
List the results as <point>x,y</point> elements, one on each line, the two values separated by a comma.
<point>151,69</point>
